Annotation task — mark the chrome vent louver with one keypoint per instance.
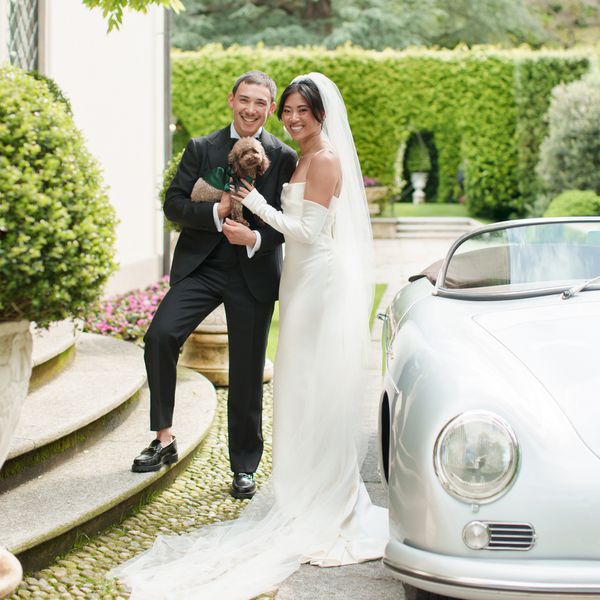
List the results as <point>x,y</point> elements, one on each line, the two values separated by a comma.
<point>510,536</point>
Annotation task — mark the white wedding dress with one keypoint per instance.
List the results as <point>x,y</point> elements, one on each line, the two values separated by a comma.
<point>315,507</point>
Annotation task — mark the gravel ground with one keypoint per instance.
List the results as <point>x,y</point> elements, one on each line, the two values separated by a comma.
<point>199,496</point>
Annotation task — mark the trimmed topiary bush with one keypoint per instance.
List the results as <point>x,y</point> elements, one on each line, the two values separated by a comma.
<point>57,227</point>
<point>574,203</point>
<point>53,88</point>
<point>570,154</point>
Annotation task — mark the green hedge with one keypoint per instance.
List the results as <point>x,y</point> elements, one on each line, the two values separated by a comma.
<point>535,78</point>
<point>574,203</point>
<point>483,108</point>
<point>57,228</point>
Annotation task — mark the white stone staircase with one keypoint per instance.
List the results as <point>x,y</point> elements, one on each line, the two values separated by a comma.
<point>422,227</point>
<point>85,418</point>
<point>434,227</point>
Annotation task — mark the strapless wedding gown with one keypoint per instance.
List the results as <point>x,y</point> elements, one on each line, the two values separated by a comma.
<point>315,507</point>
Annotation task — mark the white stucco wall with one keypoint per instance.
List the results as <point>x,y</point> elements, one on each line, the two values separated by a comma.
<point>115,84</point>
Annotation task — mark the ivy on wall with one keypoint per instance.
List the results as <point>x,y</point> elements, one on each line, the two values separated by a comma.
<point>483,108</point>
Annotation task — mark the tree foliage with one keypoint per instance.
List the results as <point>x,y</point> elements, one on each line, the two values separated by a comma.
<point>570,154</point>
<point>570,21</point>
<point>373,24</point>
<point>112,10</point>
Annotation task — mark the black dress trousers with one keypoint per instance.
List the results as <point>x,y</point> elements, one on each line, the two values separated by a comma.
<point>219,279</point>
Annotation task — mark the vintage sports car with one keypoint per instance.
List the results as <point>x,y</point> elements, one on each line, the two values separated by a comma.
<point>490,416</point>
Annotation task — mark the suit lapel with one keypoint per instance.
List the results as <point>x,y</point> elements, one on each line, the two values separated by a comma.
<point>272,151</point>
<point>218,149</point>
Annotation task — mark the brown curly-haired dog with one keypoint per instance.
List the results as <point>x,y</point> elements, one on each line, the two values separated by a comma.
<point>247,160</point>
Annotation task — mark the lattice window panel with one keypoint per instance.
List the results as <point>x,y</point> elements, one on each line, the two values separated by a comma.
<point>23,29</point>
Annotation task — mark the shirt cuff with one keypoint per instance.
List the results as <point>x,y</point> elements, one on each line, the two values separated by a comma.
<point>254,249</point>
<point>217,219</point>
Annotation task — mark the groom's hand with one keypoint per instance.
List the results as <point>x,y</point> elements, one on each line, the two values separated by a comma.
<point>239,234</point>
<point>224,206</point>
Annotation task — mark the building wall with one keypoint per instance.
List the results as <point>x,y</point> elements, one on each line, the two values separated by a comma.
<point>115,83</point>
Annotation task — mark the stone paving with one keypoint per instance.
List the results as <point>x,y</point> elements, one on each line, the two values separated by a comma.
<point>199,496</point>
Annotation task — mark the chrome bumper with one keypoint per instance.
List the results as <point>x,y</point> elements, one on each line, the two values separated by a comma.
<point>482,578</point>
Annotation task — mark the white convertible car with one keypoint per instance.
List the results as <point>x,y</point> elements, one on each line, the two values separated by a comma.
<point>490,417</point>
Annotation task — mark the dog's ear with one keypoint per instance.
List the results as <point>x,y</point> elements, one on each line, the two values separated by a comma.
<point>264,165</point>
<point>231,156</point>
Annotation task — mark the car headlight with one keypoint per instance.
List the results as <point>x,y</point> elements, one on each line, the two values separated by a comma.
<point>476,457</point>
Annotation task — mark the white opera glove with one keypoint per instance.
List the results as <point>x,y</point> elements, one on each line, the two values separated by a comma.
<point>303,229</point>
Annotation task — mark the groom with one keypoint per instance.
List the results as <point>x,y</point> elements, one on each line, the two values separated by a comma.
<point>220,262</point>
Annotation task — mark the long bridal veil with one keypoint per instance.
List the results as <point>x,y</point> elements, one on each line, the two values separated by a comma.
<point>314,508</point>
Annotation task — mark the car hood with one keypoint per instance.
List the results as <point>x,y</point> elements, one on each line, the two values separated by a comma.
<point>558,342</point>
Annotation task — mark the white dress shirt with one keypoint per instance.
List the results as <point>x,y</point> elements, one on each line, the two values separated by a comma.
<point>251,250</point>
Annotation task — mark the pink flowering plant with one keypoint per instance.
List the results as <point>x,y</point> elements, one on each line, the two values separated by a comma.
<point>370,182</point>
<point>127,316</point>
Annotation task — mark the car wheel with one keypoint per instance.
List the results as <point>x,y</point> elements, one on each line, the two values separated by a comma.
<point>413,593</point>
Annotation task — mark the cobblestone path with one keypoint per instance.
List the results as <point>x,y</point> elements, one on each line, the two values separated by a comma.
<point>199,496</point>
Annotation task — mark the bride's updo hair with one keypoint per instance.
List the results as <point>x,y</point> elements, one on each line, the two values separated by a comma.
<point>310,92</point>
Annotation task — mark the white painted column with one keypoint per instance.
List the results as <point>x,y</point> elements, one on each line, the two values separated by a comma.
<point>115,84</point>
<point>3,31</point>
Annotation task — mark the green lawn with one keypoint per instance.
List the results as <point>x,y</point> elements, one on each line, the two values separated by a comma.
<point>429,209</point>
<point>274,331</point>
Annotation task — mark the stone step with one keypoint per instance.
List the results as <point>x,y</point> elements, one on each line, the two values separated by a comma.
<point>429,220</point>
<point>53,350</point>
<point>448,235</point>
<point>62,415</point>
<point>436,224</point>
<point>96,486</point>
<point>434,227</point>
<point>422,227</point>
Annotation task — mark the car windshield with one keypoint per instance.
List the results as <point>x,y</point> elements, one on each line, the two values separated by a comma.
<point>523,258</point>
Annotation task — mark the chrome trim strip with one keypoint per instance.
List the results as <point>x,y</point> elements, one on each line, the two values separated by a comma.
<point>447,293</point>
<point>384,317</point>
<point>527,587</point>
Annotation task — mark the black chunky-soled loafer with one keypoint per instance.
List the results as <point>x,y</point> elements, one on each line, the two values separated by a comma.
<point>243,486</point>
<point>155,456</point>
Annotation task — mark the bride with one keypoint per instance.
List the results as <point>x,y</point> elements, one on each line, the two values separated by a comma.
<point>315,507</point>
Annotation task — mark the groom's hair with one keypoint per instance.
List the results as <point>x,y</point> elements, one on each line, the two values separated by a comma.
<point>308,89</point>
<point>258,78</point>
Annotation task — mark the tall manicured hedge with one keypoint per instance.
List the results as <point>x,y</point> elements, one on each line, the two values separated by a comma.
<point>57,227</point>
<point>483,108</point>
<point>535,77</point>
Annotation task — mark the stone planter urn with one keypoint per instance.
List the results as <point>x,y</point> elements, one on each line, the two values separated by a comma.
<point>15,371</point>
<point>374,194</point>
<point>207,350</point>
<point>418,180</point>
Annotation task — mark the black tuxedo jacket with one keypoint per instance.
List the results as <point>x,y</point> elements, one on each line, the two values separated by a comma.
<point>199,235</point>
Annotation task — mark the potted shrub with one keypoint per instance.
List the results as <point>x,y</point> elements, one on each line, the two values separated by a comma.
<point>418,163</point>
<point>57,228</point>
